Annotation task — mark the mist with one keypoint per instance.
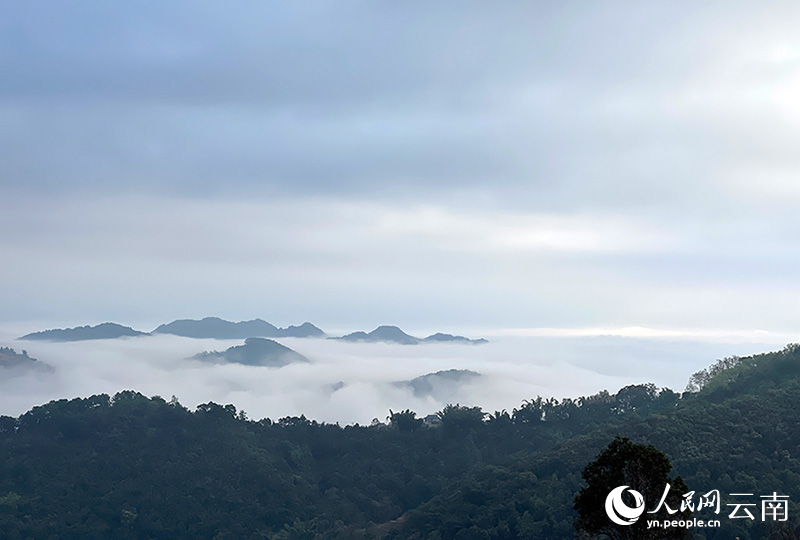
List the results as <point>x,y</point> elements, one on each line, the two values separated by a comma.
<point>350,383</point>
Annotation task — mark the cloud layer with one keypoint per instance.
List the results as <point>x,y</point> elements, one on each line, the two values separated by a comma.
<point>347,382</point>
<point>613,104</point>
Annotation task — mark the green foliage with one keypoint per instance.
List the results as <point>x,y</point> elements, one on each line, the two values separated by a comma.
<point>719,371</point>
<point>129,466</point>
<point>405,420</point>
<point>642,468</point>
<point>459,420</point>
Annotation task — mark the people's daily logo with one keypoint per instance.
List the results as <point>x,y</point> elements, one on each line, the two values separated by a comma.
<point>743,506</point>
<point>619,512</point>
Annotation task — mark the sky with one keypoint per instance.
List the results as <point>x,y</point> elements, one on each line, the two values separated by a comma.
<point>491,169</point>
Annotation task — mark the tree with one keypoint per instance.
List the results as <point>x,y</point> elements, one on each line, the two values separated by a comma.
<point>634,396</point>
<point>404,420</point>
<point>638,474</point>
<point>458,419</point>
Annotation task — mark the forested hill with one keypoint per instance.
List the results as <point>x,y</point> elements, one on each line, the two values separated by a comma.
<point>739,434</point>
<point>128,466</point>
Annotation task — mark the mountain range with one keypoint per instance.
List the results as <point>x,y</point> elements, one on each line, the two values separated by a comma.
<point>216,328</point>
<point>393,334</point>
<point>207,328</point>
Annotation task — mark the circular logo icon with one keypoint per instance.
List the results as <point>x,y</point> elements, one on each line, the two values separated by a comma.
<point>619,512</point>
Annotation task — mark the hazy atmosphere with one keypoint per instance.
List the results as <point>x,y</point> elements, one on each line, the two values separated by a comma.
<point>356,382</point>
<point>607,192</point>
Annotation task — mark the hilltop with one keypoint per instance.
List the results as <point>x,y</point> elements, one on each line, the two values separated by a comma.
<point>106,330</point>
<point>13,362</point>
<point>216,328</point>
<point>393,334</point>
<point>441,385</point>
<point>255,352</point>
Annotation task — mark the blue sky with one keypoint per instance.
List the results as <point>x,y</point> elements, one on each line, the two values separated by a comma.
<point>462,165</point>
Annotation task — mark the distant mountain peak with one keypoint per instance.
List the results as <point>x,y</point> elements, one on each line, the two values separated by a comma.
<point>393,334</point>
<point>256,351</point>
<point>106,330</point>
<point>304,330</point>
<point>441,384</point>
<point>216,328</point>
<point>13,361</point>
<point>445,338</point>
<point>384,333</point>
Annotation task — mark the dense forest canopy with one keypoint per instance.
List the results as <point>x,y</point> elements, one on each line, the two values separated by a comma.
<point>129,466</point>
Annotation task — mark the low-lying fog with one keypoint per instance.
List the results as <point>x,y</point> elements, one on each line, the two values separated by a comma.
<point>513,369</point>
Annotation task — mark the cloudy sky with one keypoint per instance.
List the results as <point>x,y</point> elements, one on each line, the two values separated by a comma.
<point>479,167</point>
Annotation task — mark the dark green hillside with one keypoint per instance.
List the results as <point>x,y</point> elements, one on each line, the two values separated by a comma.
<point>739,434</point>
<point>134,467</point>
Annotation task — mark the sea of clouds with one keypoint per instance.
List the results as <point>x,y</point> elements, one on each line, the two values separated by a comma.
<point>356,382</point>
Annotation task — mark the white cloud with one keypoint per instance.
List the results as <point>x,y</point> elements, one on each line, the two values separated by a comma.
<point>687,334</point>
<point>514,369</point>
<point>492,232</point>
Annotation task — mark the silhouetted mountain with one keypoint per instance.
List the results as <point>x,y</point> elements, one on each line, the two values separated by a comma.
<point>443,338</point>
<point>13,361</point>
<point>389,334</point>
<point>216,328</point>
<point>101,331</point>
<point>355,336</point>
<point>303,331</point>
<point>392,334</point>
<point>441,385</point>
<point>255,352</point>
